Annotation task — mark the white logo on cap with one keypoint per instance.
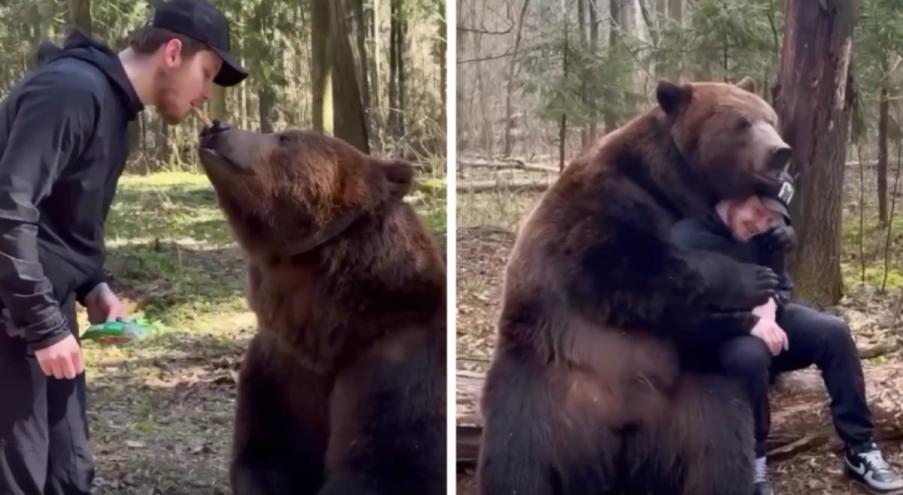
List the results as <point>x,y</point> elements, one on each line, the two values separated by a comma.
<point>786,192</point>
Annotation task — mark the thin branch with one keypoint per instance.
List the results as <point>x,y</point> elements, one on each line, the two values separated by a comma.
<point>485,31</point>
<point>653,30</point>
<point>890,223</point>
<point>861,209</point>
<point>482,59</point>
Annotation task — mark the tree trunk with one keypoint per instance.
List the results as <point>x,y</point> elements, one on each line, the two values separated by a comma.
<point>594,45</point>
<point>163,154</point>
<point>374,59</point>
<point>675,14</point>
<point>80,15</point>
<point>265,63</point>
<point>676,11</point>
<point>441,59</point>
<point>266,99</point>
<point>321,67</point>
<point>360,36</point>
<point>815,119</point>
<point>393,66</point>
<point>486,134</point>
<point>142,123</point>
<point>402,73</point>
<point>883,117</point>
<point>41,18</point>
<point>512,75</point>
<point>614,14</point>
<point>583,41</point>
<point>218,103</point>
<point>563,126</point>
<point>349,118</point>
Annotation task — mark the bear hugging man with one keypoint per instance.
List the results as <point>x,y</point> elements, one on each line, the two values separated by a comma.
<point>587,392</point>
<point>342,390</point>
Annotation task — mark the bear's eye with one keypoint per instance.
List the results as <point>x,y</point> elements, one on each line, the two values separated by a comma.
<point>743,124</point>
<point>285,140</point>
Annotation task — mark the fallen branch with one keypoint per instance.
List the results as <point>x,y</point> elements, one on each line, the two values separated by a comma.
<point>500,163</point>
<point>794,398</point>
<point>877,350</point>
<point>511,185</point>
<point>521,164</point>
<point>505,163</point>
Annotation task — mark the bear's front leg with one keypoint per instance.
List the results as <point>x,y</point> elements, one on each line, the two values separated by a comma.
<point>281,425</point>
<point>387,419</point>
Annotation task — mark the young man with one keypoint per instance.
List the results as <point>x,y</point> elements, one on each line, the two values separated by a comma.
<point>788,336</point>
<point>62,149</point>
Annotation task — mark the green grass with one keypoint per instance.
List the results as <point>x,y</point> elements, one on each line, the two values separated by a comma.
<point>170,252</point>
<point>874,239</point>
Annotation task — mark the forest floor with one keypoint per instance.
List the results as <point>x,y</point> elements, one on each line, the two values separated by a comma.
<point>161,409</point>
<point>487,224</point>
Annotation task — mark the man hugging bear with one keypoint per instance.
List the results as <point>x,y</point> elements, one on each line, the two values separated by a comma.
<point>788,336</point>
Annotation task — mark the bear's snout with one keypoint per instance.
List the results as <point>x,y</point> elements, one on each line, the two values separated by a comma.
<point>238,150</point>
<point>779,157</point>
<point>210,137</point>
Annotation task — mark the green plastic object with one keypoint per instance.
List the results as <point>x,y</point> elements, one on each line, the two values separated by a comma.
<point>118,331</point>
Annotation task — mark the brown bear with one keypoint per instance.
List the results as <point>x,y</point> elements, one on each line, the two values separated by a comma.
<point>589,391</point>
<point>342,390</point>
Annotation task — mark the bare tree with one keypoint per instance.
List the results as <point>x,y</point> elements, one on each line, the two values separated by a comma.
<point>815,119</point>
<point>512,74</point>
<point>321,66</point>
<point>349,118</point>
<point>80,15</point>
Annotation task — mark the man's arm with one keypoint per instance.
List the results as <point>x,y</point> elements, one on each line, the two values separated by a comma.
<point>699,244</point>
<point>51,126</point>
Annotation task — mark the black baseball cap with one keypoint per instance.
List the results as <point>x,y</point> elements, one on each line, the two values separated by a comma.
<point>778,196</point>
<point>200,20</point>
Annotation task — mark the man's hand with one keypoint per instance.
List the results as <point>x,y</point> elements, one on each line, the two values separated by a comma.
<point>103,305</point>
<point>62,360</point>
<point>767,311</point>
<point>773,336</point>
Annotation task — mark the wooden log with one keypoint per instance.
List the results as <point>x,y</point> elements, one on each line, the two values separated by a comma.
<point>481,163</point>
<point>793,396</point>
<point>505,163</point>
<point>504,186</point>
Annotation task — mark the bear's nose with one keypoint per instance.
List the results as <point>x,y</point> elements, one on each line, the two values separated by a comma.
<point>780,155</point>
<point>216,128</point>
<point>211,136</point>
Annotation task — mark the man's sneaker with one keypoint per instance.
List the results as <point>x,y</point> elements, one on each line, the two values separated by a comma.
<point>866,466</point>
<point>761,485</point>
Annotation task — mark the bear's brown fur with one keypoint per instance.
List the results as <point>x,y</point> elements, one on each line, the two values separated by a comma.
<point>588,392</point>
<point>343,388</point>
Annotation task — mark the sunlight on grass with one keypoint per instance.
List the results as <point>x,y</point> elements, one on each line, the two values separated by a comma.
<point>504,209</point>
<point>171,254</point>
<point>874,239</point>
<point>163,180</point>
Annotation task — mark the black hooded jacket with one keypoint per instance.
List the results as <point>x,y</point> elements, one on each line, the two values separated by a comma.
<point>63,146</point>
<point>710,233</point>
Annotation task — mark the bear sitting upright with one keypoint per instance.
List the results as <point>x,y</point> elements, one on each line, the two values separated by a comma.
<point>587,393</point>
<point>342,390</point>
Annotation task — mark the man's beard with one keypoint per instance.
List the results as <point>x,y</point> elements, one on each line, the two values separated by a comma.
<point>167,106</point>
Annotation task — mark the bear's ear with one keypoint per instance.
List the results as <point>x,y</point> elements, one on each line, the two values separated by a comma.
<point>748,84</point>
<point>673,98</point>
<point>400,175</point>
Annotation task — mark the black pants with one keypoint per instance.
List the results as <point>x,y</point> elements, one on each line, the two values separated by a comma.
<point>43,426</point>
<point>813,338</point>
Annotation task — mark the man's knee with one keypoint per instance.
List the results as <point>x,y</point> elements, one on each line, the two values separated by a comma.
<point>836,337</point>
<point>745,356</point>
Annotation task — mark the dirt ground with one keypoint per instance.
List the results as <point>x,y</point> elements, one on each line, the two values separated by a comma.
<point>487,223</point>
<point>161,409</point>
